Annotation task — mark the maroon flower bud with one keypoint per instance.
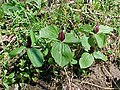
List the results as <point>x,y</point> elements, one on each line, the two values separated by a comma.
<point>61,36</point>
<point>29,42</point>
<point>91,49</point>
<point>96,29</point>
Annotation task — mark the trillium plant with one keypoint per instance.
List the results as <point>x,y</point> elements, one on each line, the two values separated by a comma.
<point>90,39</point>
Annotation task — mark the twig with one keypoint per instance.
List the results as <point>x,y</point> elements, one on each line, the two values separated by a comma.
<point>76,86</point>
<point>69,80</point>
<point>107,88</point>
<point>76,10</point>
<point>111,77</point>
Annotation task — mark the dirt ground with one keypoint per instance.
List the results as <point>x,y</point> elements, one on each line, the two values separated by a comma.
<point>103,76</point>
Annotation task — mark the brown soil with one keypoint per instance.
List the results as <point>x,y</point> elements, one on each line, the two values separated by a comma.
<point>103,76</point>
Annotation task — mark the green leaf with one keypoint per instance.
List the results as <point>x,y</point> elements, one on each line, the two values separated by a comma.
<point>32,36</point>
<point>85,28</point>
<point>6,85</point>
<point>100,39</point>
<point>6,8</point>
<point>1,13</point>
<point>51,60</point>
<point>11,75</point>
<point>84,42</point>
<point>50,32</point>
<point>35,56</point>
<point>45,52</point>
<point>70,38</point>
<point>76,18</point>
<point>17,51</point>
<point>91,41</point>
<point>86,60</point>
<point>99,55</point>
<point>74,61</point>
<point>105,29</point>
<point>61,53</point>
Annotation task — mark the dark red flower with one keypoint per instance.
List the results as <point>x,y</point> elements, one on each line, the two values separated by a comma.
<point>96,29</point>
<point>61,36</point>
<point>29,42</point>
<point>91,49</point>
